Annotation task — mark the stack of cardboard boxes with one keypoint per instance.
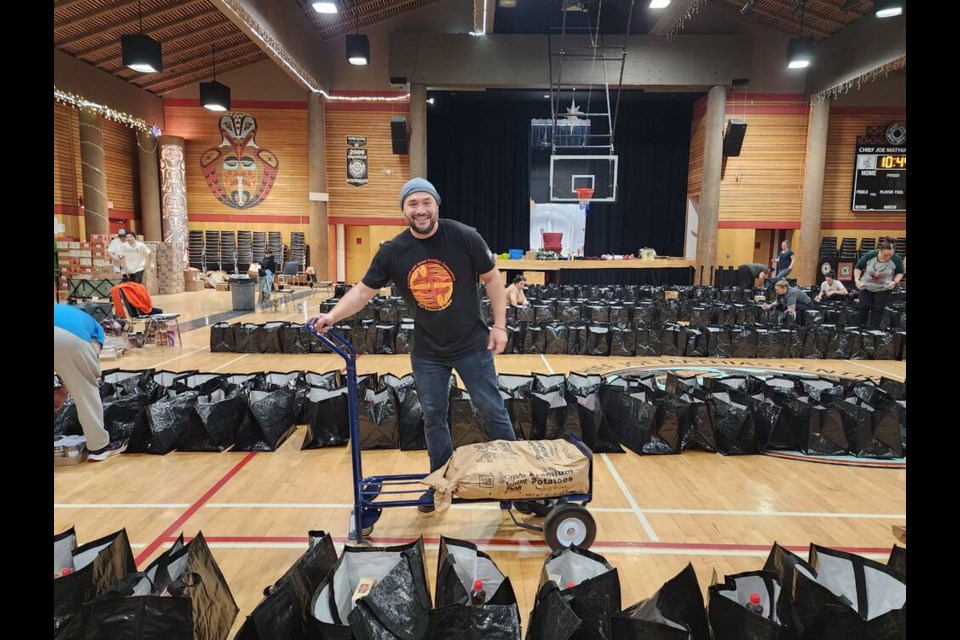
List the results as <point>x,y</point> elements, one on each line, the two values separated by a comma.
<point>169,269</point>
<point>85,260</point>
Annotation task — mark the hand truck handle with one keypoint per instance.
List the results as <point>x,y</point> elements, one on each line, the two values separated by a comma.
<point>348,353</point>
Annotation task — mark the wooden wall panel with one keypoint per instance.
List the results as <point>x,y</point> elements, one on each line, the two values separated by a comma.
<point>765,182</point>
<point>66,155</point>
<point>735,246</point>
<point>280,130</point>
<point>381,195</point>
<point>122,166</point>
<point>698,130</point>
<point>357,239</point>
<point>845,126</point>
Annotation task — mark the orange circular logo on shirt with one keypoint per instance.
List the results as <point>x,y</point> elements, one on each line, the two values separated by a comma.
<point>431,283</point>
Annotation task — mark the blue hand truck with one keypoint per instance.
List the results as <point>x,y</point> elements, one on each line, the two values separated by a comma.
<point>566,522</point>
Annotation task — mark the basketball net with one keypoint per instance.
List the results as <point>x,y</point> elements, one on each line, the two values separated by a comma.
<point>583,195</point>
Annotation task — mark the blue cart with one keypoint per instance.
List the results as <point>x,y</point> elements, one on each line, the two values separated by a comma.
<point>566,521</point>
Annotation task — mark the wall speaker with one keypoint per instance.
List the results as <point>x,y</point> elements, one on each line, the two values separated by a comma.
<point>398,134</point>
<point>733,137</point>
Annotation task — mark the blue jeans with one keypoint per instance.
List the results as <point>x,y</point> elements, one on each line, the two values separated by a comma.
<point>781,275</point>
<point>480,377</point>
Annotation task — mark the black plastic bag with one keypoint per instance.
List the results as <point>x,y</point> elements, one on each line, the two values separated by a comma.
<point>673,341</point>
<point>328,421</point>
<point>569,311</point>
<point>269,337</point>
<point>385,338</point>
<point>743,342</point>
<point>623,341</point>
<point>697,342</point>
<point>247,337</point>
<point>645,313</point>
<point>766,419</point>
<point>593,592</point>
<point>718,342</point>
<point>269,420</point>
<point>544,313</point>
<point>168,419</point>
<point>95,565</point>
<point>727,613</point>
<point>773,343</point>
<point>282,613</point>
<point>379,418</point>
<point>404,340</point>
<point>200,603</point>
<point>548,415</point>
<point>872,431</point>
<point>675,611</point>
<point>222,338</point>
<point>849,597</point>
<point>466,425</point>
<point>487,622</point>
<point>818,341</point>
<point>534,340</point>
<point>651,425</point>
<point>396,607</point>
<point>648,340</point>
<point>577,339</point>
<point>736,433</point>
<point>216,415</point>
<point>898,562</point>
<point>552,617</point>
<point>896,389</point>
<point>410,413</point>
<point>697,429</point>
<point>555,339</point>
<point>459,564</point>
<point>517,390</point>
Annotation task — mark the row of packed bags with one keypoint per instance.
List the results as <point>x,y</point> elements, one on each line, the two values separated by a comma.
<point>98,592</point>
<point>597,339</point>
<point>689,311</point>
<point>162,411</point>
<point>381,592</point>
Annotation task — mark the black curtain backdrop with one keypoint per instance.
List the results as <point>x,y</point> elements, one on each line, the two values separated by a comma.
<point>479,159</point>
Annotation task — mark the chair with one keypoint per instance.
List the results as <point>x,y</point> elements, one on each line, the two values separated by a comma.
<point>150,325</point>
<point>291,275</point>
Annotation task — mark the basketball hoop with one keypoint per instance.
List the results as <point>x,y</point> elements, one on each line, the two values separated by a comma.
<point>583,195</point>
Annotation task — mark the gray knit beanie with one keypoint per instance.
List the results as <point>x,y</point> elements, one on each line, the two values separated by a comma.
<point>418,185</point>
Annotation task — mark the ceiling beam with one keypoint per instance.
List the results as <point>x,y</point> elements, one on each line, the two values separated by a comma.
<point>65,4</point>
<point>190,77</point>
<point>190,66</point>
<point>794,15</point>
<point>93,15</point>
<point>128,22</point>
<point>153,32</point>
<point>668,16</point>
<point>126,73</point>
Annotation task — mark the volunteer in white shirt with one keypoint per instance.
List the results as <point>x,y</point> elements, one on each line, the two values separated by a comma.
<point>133,255</point>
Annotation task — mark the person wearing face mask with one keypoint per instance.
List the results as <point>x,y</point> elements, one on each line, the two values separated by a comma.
<point>876,274</point>
<point>434,264</point>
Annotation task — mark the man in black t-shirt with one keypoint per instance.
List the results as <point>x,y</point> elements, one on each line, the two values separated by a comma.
<point>435,265</point>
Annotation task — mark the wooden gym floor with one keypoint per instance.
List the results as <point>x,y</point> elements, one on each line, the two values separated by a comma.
<point>654,513</point>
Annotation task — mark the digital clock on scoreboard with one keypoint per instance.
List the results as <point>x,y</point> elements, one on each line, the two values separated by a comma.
<point>880,179</point>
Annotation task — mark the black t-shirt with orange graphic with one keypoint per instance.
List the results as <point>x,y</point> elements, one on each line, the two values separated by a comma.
<point>438,278</point>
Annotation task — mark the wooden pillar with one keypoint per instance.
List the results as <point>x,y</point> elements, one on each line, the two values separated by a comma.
<point>710,186</point>
<point>94,178</point>
<point>317,186</point>
<point>811,210</point>
<point>149,186</point>
<point>418,130</point>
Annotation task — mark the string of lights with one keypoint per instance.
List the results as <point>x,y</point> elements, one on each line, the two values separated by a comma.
<point>855,83</point>
<point>79,102</point>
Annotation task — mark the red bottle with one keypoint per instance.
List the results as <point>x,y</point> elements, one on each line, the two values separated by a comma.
<point>478,596</point>
<point>754,604</point>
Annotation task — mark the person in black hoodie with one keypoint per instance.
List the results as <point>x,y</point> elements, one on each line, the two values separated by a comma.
<point>268,267</point>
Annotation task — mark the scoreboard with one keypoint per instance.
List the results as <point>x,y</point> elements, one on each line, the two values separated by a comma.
<point>880,173</point>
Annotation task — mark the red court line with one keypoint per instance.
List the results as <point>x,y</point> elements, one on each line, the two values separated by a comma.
<point>166,535</point>
<point>511,542</point>
<point>845,463</point>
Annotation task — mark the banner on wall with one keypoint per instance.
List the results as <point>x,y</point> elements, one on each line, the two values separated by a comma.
<point>357,160</point>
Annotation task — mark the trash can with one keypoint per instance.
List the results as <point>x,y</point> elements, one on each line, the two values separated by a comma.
<point>243,288</point>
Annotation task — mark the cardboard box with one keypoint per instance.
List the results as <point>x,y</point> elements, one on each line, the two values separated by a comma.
<point>194,285</point>
<point>535,277</point>
<point>223,286</point>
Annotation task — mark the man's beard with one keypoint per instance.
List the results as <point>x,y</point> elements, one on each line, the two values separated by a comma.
<point>433,224</point>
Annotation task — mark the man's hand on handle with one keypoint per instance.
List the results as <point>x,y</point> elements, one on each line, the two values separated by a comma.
<point>322,323</point>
